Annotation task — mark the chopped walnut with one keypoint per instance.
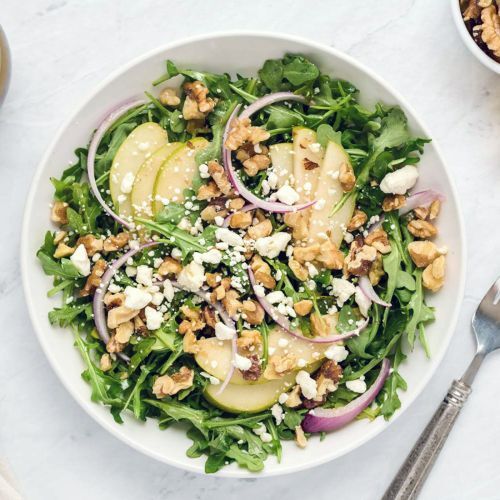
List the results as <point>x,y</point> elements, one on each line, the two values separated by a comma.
<point>330,256</point>
<point>169,97</point>
<point>253,312</point>
<point>169,385</point>
<point>196,127</point>
<point>198,91</point>
<point>262,272</point>
<point>114,346</point>
<point>393,202</point>
<point>434,209</point>
<point>303,307</point>
<point>376,270</point>
<point>255,164</point>
<point>105,363</point>
<point>433,275</point>
<point>190,325</point>
<point>240,220</point>
<point>63,250</point>
<point>59,212</point>
<point>139,326</point>
<point>358,219</point>
<point>213,279</point>
<point>236,203</point>
<point>119,315</point>
<point>378,239</point>
<point>114,243</point>
<point>300,437</point>
<point>472,11</point>
<point>298,269</point>
<point>94,278</point>
<point>209,317</point>
<point>190,110</point>
<point>190,313</point>
<point>124,331</point>
<point>296,220</point>
<point>241,131</point>
<point>306,254</point>
<point>360,258</point>
<point>309,164</point>
<point>422,229</point>
<point>189,343</point>
<point>347,178</point>
<point>249,341</point>
<point>260,230</point>
<point>490,29</point>
<point>210,212</point>
<point>231,303</point>
<point>323,326</point>
<point>208,191</point>
<point>92,244</point>
<point>255,370</point>
<point>293,400</point>
<point>278,366</point>
<point>247,150</point>
<point>421,212</point>
<point>220,177</point>
<point>423,252</point>
<point>169,266</point>
<point>327,378</point>
<point>114,299</point>
<point>218,294</point>
<point>59,236</point>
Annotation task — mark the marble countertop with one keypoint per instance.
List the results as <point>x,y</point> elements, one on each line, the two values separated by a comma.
<point>61,50</point>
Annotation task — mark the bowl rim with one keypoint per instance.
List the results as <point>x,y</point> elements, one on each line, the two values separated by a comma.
<point>109,424</point>
<point>469,42</point>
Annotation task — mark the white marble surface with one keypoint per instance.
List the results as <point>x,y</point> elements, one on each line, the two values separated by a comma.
<point>61,50</point>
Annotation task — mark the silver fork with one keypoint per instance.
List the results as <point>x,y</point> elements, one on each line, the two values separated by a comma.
<point>414,471</point>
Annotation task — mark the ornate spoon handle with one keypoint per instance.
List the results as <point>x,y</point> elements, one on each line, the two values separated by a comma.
<point>414,471</point>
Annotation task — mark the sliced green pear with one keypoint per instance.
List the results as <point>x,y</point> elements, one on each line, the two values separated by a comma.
<point>249,398</point>
<point>214,356</point>
<point>142,191</point>
<point>307,159</point>
<point>139,145</point>
<point>176,174</point>
<point>282,161</point>
<point>328,193</point>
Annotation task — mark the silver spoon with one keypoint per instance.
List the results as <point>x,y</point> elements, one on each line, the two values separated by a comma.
<point>414,471</point>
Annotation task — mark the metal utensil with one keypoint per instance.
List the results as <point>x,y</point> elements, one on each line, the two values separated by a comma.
<point>414,471</point>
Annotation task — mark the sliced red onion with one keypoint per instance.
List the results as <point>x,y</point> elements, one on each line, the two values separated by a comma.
<point>330,419</point>
<point>420,199</point>
<point>98,301</point>
<point>232,367</point>
<point>246,208</point>
<point>238,185</point>
<point>118,111</point>
<point>269,99</point>
<point>368,290</point>
<point>284,322</point>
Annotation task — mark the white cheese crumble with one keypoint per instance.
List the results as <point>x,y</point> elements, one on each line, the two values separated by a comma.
<point>307,384</point>
<point>80,260</point>
<point>400,181</point>
<point>271,246</point>
<point>230,237</point>
<point>266,437</point>
<point>213,380</point>
<point>168,290</point>
<point>337,353</point>
<point>192,276</point>
<point>277,413</point>
<point>224,332</point>
<point>127,183</point>
<point>203,169</point>
<point>283,398</point>
<point>212,256</point>
<point>342,289</point>
<point>154,318</point>
<point>144,275</point>
<point>241,362</point>
<point>135,298</point>
<point>358,385</point>
<point>275,297</point>
<point>287,195</point>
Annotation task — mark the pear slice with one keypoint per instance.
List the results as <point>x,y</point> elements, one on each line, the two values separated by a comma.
<point>142,191</point>
<point>282,161</point>
<point>139,145</point>
<point>307,159</point>
<point>328,193</point>
<point>214,356</point>
<point>249,398</point>
<point>176,174</point>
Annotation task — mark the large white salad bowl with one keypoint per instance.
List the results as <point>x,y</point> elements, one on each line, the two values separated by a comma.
<point>244,53</point>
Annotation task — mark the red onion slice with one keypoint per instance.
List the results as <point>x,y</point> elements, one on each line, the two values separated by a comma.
<point>246,208</point>
<point>370,293</point>
<point>421,199</point>
<point>119,111</point>
<point>330,419</point>
<point>269,99</point>
<point>284,322</point>
<point>98,301</point>
<point>238,185</point>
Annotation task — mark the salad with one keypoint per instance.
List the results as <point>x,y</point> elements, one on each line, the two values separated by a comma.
<point>246,255</point>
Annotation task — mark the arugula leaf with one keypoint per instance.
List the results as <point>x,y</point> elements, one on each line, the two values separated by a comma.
<point>300,70</point>
<point>325,134</point>
<point>390,398</point>
<point>64,316</point>
<point>393,130</point>
<point>245,459</point>
<point>171,213</point>
<point>63,268</point>
<point>271,74</point>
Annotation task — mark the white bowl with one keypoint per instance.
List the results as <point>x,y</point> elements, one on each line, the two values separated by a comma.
<point>242,53</point>
<point>469,41</point>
